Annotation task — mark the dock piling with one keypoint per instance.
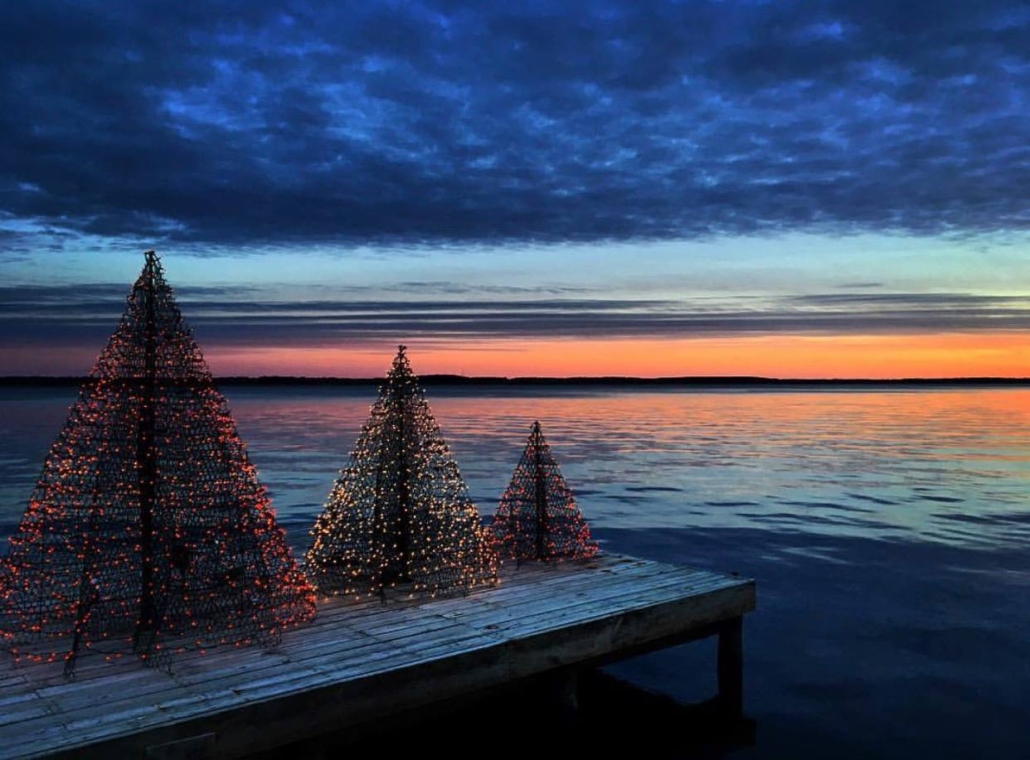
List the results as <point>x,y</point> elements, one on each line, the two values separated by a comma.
<point>731,667</point>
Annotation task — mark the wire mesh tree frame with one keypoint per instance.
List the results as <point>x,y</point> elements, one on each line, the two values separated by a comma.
<point>399,515</point>
<point>148,531</point>
<point>538,518</point>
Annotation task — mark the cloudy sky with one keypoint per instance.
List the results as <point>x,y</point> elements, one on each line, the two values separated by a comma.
<point>816,188</point>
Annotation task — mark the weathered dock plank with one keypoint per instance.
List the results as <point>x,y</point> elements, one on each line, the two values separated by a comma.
<point>362,660</point>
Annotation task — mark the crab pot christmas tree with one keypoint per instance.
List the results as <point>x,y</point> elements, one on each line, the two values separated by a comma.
<point>538,517</point>
<point>148,531</point>
<point>399,515</point>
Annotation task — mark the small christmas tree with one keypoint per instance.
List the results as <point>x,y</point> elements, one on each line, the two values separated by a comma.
<point>400,514</point>
<point>148,531</point>
<point>538,517</point>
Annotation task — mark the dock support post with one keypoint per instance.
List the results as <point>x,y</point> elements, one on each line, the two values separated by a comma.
<point>566,689</point>
<point>731,667</point>
<point>563,692</point>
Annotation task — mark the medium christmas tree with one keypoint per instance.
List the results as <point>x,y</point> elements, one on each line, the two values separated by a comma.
<point>148,531</point>
<point>400,514</point>
<point>538,517</point>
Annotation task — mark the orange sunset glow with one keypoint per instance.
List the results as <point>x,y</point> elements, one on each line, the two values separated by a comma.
<point>788,356</point>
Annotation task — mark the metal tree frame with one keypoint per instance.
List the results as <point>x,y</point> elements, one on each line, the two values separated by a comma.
<point>399,515</point>
<point>538,518</point>
<point>148,531</point>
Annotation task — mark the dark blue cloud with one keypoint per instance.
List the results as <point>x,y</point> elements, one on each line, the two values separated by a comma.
<point>440,123</point>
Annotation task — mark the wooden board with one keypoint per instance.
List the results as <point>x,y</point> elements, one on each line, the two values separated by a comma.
<point>360,660</point>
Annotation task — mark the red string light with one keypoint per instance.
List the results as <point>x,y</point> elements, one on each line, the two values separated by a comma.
<point>148,530</point>
<point>538,518</point>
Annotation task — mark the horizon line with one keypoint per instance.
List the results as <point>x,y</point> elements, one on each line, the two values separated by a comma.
<point>456,379</point>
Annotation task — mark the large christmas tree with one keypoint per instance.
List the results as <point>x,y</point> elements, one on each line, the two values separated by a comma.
<point>399,515</point>
<point>538,517</point>
<point>148,531</point>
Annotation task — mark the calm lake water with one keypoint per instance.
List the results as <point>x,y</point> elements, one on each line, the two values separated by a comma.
<point>889,532</point>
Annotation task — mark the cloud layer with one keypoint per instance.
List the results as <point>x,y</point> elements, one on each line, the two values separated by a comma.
<point>85,316</point>
<point>448,123</point>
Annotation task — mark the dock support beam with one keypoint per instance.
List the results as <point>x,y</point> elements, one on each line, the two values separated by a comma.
<point>565,688</point>
<point>731,667</point>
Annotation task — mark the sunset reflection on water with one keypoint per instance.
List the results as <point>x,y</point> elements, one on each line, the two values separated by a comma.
<point>940,465</point>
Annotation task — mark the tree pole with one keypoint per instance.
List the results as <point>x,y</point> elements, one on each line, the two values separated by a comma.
<point>402,401</point>
<point>146,457</point>
<point>541,495</point>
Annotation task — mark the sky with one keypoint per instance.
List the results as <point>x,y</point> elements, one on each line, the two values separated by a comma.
<point>813,188</point>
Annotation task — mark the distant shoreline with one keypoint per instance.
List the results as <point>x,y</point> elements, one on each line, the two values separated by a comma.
<point>606,381</point>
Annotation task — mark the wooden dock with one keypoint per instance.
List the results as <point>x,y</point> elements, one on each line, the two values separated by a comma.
<point>359,662</point>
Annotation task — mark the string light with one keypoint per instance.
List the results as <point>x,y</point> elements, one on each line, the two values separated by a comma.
<point>538,518</point>
<point>148,531</point>
<point>399,515</point>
